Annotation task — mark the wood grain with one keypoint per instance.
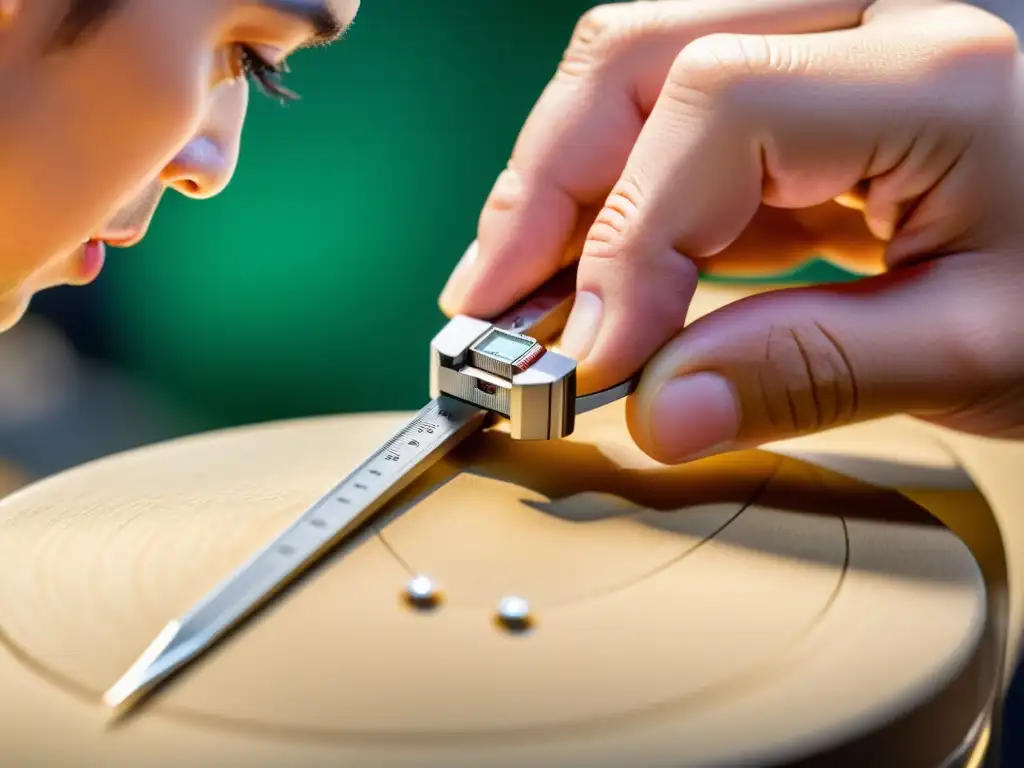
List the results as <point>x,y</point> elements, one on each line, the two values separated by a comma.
<point>745,608</point>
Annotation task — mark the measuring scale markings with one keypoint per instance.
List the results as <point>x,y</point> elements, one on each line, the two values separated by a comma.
<point>437,428</point>
<point>432,433</point>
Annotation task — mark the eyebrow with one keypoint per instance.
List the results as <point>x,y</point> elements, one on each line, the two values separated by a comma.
<point>326,25</point>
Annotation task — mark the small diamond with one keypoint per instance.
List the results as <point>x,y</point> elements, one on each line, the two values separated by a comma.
<point>514,613</point>
<point>422,592</point>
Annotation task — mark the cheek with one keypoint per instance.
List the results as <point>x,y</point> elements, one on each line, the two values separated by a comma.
<point>12,309</point>
<point>146,113</point>
<point>87,132</point>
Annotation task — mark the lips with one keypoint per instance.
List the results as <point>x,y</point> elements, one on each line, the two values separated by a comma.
<point>119,238</point>
<point>93,252</point>
<point>90,263</point>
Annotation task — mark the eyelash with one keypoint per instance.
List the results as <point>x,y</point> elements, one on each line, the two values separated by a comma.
<point>264,75</point>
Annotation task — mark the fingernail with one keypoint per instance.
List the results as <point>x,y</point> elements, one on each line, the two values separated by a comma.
<point>881,219</point>
<point>881,227</point>
<point>692,416</point>
<point>459,281</point>
<point>582,326</point>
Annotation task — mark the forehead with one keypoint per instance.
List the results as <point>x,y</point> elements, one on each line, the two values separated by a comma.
<point>345,10</point>
<point>340,13</point>
<point>328,18</point>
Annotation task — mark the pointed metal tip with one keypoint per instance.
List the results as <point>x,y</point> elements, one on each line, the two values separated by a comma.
<point>121,696</point>
<point>142,674</point>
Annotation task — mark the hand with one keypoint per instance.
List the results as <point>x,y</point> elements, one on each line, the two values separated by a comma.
<point>747,136</point>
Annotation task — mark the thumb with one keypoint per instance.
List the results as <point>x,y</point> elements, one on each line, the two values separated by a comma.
<point>938,340</point>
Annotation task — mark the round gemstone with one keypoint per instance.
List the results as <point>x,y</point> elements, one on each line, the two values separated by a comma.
<point>421,591</point>
<point>514,613</point>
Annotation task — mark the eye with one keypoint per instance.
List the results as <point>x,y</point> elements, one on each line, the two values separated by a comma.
<point>264,74</point>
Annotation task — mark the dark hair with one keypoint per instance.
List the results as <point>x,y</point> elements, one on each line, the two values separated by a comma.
<point>81,18</point>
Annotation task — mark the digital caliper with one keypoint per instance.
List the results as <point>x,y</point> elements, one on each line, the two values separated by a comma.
<point>479,369</point>
<point>512,375</point>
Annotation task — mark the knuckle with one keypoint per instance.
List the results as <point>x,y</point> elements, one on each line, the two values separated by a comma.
<point>601,34</point>
<point>614,227</point>
<point>809,383</point>
<point>717,66</point>
<point>981,63</point>
<point>507,192</point>
<point>984,33</point>
<point>984,340</point>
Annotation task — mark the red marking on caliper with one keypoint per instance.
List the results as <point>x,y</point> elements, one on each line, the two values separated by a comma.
<point>529,358</point>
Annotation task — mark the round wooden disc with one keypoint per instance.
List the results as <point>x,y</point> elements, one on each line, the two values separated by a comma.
<point>738,607</point>
<point>750,609</point>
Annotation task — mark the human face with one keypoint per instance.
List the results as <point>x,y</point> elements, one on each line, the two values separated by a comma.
<point>92,135</point>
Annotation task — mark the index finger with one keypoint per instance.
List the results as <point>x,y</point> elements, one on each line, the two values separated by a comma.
<point>793,121</point>
<point>579,135</point>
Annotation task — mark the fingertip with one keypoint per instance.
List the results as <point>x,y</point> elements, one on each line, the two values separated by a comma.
<point>686,418</point>
<point>458,291</point>
<point>582,326</point>
<point>636,421</point>
<point>582,331</point>
<point>467,287</point>
<point>643,303</point>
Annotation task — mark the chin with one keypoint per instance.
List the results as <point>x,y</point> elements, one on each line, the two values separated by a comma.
<point>12,309</point>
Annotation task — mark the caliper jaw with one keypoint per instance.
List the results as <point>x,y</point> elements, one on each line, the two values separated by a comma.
<point>506,373</point>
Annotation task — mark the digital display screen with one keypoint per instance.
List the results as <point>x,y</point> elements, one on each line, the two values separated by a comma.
<point>504,347</point>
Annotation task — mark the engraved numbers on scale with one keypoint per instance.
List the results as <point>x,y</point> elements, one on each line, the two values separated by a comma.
<point>363,488</point>
<point>404,446</point>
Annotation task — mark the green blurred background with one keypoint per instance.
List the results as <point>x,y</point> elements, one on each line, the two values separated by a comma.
<point>310,285</point>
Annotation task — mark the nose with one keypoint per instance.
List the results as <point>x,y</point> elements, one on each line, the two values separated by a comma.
<point>200,170</point>
<point>205,165</point>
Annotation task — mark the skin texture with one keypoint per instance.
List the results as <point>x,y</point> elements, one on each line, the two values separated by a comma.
<point>745,137</point>
<point>93,134</point>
